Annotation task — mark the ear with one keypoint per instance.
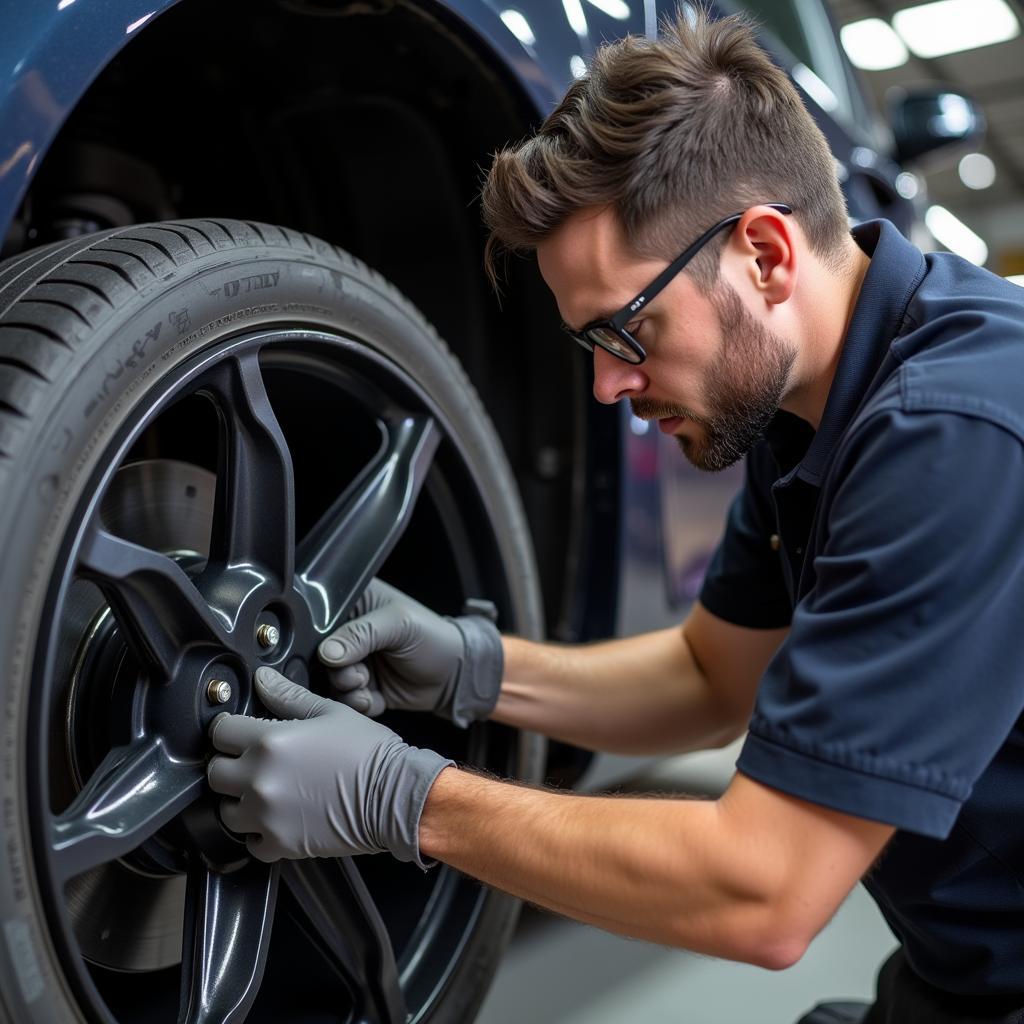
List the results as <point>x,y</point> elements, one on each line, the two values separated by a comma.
<point>765,242</point>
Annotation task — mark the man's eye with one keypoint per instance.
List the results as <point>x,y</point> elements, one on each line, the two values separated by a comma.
<point>634,327</point>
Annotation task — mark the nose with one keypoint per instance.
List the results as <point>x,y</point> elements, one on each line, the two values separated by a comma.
<point>615,379</point>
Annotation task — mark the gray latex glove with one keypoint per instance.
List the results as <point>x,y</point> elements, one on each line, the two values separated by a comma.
<point>395,653</point>
<point>328,783</point>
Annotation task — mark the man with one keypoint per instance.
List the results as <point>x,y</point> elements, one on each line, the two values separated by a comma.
<point>861,616</point>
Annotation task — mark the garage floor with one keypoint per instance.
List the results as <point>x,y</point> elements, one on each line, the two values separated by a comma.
<point>558,972</point>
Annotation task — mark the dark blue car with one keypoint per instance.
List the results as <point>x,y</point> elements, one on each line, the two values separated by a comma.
<point>216,427</point>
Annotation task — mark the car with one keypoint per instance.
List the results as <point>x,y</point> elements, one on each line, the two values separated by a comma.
<point>216,425</point>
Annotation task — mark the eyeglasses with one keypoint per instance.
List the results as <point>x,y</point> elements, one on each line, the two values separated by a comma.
<point>611,333</point>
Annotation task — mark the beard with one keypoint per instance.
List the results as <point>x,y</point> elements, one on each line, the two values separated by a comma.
<point>742,390</point>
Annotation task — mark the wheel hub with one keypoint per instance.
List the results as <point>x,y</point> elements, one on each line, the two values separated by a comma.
<point>169,507</point>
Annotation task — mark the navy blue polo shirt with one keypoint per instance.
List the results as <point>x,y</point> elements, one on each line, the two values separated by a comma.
<point>891,541</point>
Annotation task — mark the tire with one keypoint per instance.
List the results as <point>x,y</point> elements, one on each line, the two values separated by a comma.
<point>191,414</point>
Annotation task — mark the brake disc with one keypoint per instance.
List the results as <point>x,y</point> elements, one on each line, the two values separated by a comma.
<point>125,917</point>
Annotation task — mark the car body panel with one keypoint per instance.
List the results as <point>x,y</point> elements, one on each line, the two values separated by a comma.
<point>49,55</point>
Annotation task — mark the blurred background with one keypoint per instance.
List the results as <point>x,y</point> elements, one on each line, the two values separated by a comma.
<point>973,200</point>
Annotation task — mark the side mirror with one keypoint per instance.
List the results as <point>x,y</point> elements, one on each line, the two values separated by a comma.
<point>930,120</point>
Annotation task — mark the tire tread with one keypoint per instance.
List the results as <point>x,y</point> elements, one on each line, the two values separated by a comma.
<point>115,265</point>
<point>121,273</point>
<point>56,304</point>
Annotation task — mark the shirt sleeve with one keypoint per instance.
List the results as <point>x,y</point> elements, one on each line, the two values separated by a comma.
<point>902,674</point>
<point>744,582</point>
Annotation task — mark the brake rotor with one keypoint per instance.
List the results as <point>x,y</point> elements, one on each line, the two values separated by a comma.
<point>125,917</point>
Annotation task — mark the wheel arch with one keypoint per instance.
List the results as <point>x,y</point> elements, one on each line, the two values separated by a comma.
<point>372,130</point>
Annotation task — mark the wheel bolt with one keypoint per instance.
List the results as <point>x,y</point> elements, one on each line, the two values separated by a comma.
<point>218,691</point>
<point>268,636</point>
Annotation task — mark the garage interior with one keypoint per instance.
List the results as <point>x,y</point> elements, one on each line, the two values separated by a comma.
<point>347,145</point>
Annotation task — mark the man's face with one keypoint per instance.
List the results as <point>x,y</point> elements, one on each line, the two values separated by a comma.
<point>714,375</point>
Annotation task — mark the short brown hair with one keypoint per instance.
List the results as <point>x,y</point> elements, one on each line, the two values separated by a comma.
<point>675,133</point>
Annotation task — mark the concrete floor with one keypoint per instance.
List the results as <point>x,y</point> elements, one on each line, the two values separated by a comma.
<point>559,972</point>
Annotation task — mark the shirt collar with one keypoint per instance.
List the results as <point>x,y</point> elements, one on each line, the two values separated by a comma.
<point>892,277</point>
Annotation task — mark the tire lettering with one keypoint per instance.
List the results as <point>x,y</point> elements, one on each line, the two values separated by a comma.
<point>61,443</point>
<point>305,307</point>
<point>17,869</point>
<point>245,285</point>
<point>23,957</point>
<point>139,346</point>
<point>221,321</point>
<point>181,320</point>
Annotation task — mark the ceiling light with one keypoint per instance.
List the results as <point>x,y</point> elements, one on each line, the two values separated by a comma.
<point>1016,279</point>
<point>517,24</point>
<point>815,88</point>
<point>907,184</point>
<point>950,26</point>
<point>575,16</point>
<point>955,235</point>
<point>872,45</point>
<point>977,171</point>
<point>617,9</point>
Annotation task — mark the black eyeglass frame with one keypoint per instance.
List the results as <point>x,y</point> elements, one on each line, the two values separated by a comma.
<point>633,352</point>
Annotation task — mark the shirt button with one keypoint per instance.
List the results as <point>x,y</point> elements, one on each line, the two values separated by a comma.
<point>775,542</point>
<point>799,551</point>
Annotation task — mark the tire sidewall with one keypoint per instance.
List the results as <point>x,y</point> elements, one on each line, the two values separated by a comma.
<point>120,365</point>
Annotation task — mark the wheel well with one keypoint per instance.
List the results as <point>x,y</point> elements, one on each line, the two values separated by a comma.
<point>367,123</point>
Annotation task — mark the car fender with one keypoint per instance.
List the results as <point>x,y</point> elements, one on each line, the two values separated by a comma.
<point>49,56</point>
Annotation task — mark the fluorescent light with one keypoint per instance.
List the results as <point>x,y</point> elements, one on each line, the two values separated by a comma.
<point>872,45</point>
<point>977,171</point>
<point>955,235</point>
<point>617,9</point>
<point>950,26</point>
<point>577,65</point>
<point>517,24</point>
<point>1016,279</point>
<point>815,87</point>
<point>574,13</point>
<point>907,184</point>
<point>955,118</point>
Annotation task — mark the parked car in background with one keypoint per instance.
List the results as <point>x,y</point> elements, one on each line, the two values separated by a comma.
<point>216,426</point>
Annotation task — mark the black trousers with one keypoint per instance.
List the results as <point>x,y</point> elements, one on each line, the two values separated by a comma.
<point>903,998</point>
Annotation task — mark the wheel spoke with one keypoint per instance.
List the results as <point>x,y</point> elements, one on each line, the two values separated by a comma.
<point>350,543</point>
<point>157,607</point>
<point>228,920</point>
<point>254,518</point>
<point>135,791</point>
<point>339,907</point>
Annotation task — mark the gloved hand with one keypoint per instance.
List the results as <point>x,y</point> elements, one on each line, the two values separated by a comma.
<point>329,783</point>
<point>418,660</point>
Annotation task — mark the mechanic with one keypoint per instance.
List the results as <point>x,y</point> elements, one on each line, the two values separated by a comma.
<point>862,617</point>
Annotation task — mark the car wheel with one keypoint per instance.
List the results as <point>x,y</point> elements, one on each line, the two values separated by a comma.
<point>212,435</point>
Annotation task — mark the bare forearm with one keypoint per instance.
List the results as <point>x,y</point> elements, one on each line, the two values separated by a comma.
<point>662,870</point>
<point>644,694</point>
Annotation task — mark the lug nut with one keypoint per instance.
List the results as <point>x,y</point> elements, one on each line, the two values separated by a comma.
<point>268,636</point>
<point>218,691</point>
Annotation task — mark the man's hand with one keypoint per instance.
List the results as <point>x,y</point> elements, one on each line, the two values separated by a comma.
<point>328,783</point>
<point>395,653</point>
